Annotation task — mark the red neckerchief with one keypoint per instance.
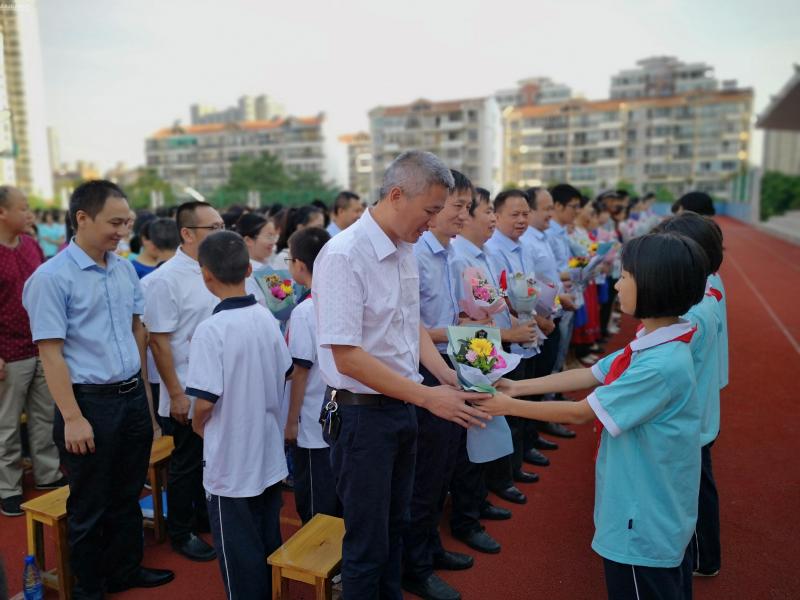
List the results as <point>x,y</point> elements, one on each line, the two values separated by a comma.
<point>714,292</point>
<point>621,363</point>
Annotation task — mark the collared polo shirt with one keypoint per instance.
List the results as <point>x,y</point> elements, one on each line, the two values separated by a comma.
<point>72,298</point>
<point>647,474</point>
<point>366,294</point>
<point>239,361</point>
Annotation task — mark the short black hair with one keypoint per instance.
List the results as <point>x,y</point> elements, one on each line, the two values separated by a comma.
<point>304,245</point>
<point>162,232</point>
<point>184,217</point>
<point>463,184</point>
<point>702,230</point>
<point>698,202</point>
<point>249,225</point>
<point>90,197</point>
<point>224,253</point>
<point>342,201</point>
<point>481,195</point>
<point>292,218</point>
<point>532,192</point>
<point>563,193</point>
<point>505,195</point>
<point>669,271</point>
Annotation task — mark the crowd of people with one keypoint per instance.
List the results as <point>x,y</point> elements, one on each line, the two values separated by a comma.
<point>119,326</point>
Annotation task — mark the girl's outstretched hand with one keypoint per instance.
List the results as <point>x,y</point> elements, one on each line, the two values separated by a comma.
<point>499,404</point>
<point>506,386</point>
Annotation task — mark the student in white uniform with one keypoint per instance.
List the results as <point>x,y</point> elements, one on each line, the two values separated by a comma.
<point>176,302</point>
<point>314,486</point>
<point>647,471</point>
<point>238,364</point>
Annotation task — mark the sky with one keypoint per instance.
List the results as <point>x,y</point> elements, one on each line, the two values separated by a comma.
<point>116,71</point>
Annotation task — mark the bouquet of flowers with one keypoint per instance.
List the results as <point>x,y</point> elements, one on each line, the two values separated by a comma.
<point>479,361</point>
<point>481,298</point>
<point>547,301</point>
<point>523,294</point>
<point>279,291</point>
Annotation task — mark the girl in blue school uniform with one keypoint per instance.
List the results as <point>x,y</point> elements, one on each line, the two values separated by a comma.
<point>649,420</point>
<point>706,347</point>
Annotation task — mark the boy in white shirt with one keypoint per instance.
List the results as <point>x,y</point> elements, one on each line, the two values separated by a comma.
<point>238,363</point>
<point>314,484</point>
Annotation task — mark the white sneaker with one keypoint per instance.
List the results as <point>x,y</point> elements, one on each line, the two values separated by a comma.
<point>613,329</point>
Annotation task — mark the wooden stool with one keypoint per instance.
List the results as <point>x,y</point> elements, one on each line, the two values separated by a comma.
<point>159,459</point>
<point>50,509</point>
<point>311,555</point>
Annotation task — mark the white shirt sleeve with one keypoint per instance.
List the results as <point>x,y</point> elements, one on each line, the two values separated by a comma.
<point>339,296</point>
<point>302,345</point>
<point>204,378</point>
<point>161,314</point>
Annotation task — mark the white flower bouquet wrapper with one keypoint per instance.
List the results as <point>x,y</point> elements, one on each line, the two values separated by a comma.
<point>493,441</point>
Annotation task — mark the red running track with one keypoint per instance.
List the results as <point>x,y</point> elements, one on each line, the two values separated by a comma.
<point>546,552</point>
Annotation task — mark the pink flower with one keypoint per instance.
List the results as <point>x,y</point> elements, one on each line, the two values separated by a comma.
<point>471,356</point>
<point>500,363</point>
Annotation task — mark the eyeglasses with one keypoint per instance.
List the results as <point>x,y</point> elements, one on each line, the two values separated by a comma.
<point>289,260</point>
<point>214,227</point>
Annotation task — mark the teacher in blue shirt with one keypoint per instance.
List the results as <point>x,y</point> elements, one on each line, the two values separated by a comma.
<point>84,307</point>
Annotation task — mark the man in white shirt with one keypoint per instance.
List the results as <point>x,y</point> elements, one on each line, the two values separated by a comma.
<point>366,290</point>
<point>347,208</point>
<point>176,302</point>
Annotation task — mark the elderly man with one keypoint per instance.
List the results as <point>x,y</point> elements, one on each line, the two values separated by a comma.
<point>372,342</point>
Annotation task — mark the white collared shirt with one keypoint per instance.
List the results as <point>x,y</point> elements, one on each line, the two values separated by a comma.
<point>366,294</point>
<point>176,301</point>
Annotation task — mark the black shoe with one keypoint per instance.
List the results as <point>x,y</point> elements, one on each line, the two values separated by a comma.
<point>12,506</point>
<point>481,541</point>
<point>541,443</point>
<point>511,494</point>
<point>495,513</point>
<point>557,429</point>
<point>143,578</point>
<point>452,561</point>
<point>58,483</point>
<point>194,548</point>
<point>534,457</point>
<point>433,588</point>
<point>524,477</point>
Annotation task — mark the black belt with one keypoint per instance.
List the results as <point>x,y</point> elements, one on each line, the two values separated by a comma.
<point>121,387</point>
<point>348,398</point>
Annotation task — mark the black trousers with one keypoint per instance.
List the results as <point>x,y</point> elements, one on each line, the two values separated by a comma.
<point>104,519</point>
<point>545,362</point>
<point>705,547</point>
<point>186,498</point>
<point>246,531</point>
<point>499,473</point>
<point>467,492</point>
<point>314,485</point>
<point>373,464</point>
<point>629,582</point>
<point>606,307</point>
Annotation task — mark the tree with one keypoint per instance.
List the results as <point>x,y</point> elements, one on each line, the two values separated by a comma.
<point>779,193</point>
<point>622,184</point>
<point>664,195</point>
<point>139,192</point>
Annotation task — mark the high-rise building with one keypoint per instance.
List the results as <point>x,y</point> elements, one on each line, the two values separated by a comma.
<point>534,90</point>
<point>8,173</point>
<point>24,80</point>
<point>694,140</point>
<point>248,108</point>
<point>359,164</point>
<point>662,76</point>
<point>782,151</point>
<point>54,148</point>
<point>200,156</point>
<point>463,133</point>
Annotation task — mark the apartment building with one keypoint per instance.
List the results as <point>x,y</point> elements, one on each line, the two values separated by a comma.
<point>247,108</point>
<point>200,156</point>
<point>463,133</point>
<point>359,164</point>
<point>533,90</point>
<point>693,140</point>
<point>662,76</point>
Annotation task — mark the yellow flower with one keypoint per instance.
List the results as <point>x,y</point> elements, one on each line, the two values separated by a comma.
<point>481,346</point>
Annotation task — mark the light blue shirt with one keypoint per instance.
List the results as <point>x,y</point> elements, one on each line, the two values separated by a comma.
<point>466,254</point>
<point>543,256</point>
<point>333,228</point>
<point>438,303</point>
<point>705,353</point>
<point>559,241</point>
<point>722,311</point>
<point>647,474</point>
<point>72,298</point>
<point>513,257</point>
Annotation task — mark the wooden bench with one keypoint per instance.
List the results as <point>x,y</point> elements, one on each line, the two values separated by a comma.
<point>50,509</point>
<point>156,473</point>
<point>311,555</point>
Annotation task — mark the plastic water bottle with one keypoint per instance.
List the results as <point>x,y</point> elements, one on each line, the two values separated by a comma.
<point>32,580</point>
